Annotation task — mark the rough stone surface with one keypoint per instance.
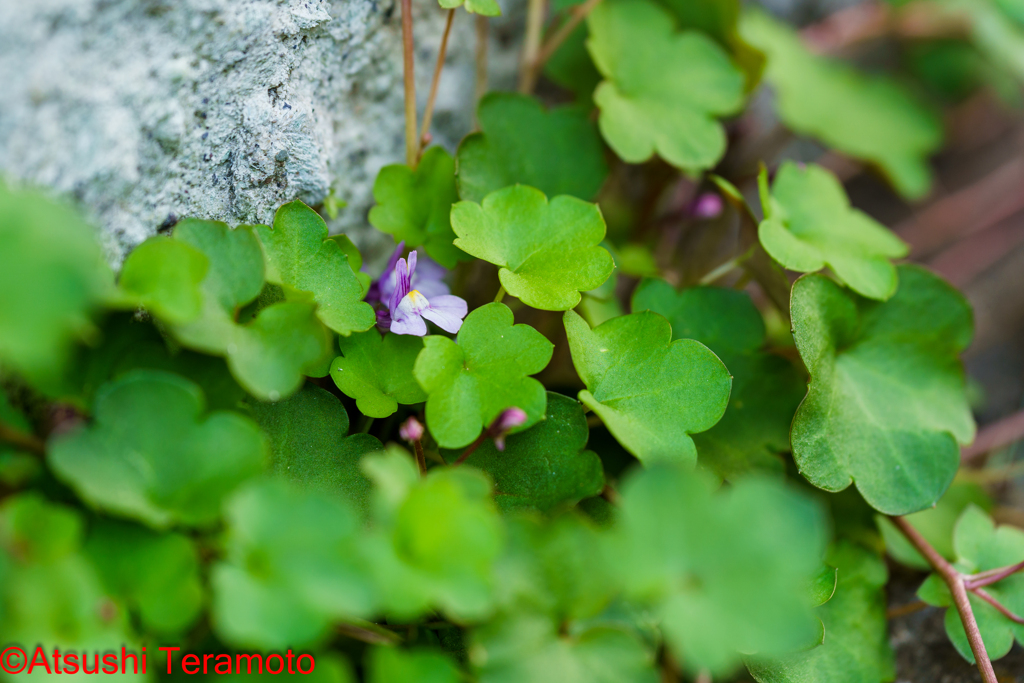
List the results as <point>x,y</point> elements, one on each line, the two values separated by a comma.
<point>146,111</point>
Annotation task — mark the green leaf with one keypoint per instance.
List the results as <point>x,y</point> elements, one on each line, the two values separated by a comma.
<point>52,279</point>
<point>378,372</point>
<point>869,118</point>
<point>557,152</point>
<point>153,454</point>
<point>300,255</point>
<point>471,380</point>
<point>886,405</point>
<point>856,647</point>
<point>309,446</point>
<point>527,648</point>
<point>725,573</point>
<point>980,546</point>
<point>934,524</point>
<point>548,251</point>
<point>391,665</point>
<point>546,466</point>
<point>651,393</point>
<point>415,205</point>
<point>292,568</point>
<point>571,67</point>
<point>50,596</point>
<point>269,353</point>
<point>766,388</point>
<point>163,275</point>
<point>434,539</point>
<point>487,8</point>
<point>157,574</point>
<point>809,224</point>
<point>663,89</point>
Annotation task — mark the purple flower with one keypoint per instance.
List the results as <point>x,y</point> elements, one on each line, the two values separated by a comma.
<point>411,430</point>
<point>408,308</point>
<point>428,279</point>
<point>708,205</point>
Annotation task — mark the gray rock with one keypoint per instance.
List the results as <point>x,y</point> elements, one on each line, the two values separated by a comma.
<point>146,111</point>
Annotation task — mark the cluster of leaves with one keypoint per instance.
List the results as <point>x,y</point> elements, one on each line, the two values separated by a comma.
<point>197,479</point>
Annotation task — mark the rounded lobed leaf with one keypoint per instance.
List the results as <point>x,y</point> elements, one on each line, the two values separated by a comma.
<point>548,251</point>
<point>378,371</point>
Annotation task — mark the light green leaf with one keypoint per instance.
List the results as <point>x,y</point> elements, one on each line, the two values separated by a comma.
<point>548,251</point>
<point>487,8</point>
<point>725,573</point>
<point>309,446</point>
<point>557,152</point>
<point>163,275</point>
<point>434,539</point>
<point>415,205</point>
<point>471,380</point>
<point>868,118</point>
<point>300,255</point>
<point>809,224</point>
<point>547,465</point>
<point>766,388</point>
<point>529,648</point>
<point>856,647</point>
<point>50,596</point>
<point>663,89</point>
<point>651,393</point>
<point>934,524</point>
<point>980,546</point>
<point>52,280</point>
<point>378,372</point>
<point>157,574</point>
<point>292,568</point>
<point>268,349</point>
<point>886,405</point>
<point>391,665</point>
<point>152,454</point>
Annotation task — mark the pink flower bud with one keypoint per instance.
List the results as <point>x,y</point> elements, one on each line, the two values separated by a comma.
<point>708,205</point>
<point>509,419</point>
<point>411,430</point>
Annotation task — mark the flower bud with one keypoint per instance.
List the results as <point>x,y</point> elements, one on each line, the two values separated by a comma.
<point>411,430</point>
<point>509,419</point>
<point>708,205</point>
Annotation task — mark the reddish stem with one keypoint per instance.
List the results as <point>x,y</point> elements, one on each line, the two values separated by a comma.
<point>472,447</point>
<point>30,442</point>
<point>987,597</point>
<point>412,140</point>
<point>996,435</point>
<point>991,576</point>
<point>428,113</point>
<point>955,581</point>
<point>421,460</point>
<point>579,13</point>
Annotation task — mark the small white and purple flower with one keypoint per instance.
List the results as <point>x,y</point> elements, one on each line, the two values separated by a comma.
<point>409,308</point>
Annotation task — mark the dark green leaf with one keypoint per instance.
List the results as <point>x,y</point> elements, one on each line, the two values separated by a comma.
<point>558,151</point>
<point>547,465</point>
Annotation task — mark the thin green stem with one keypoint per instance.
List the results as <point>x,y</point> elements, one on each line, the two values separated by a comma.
<point>30,442</point>
<point>365,423</point>
<point>412,139</point>
<point>500,295</point>
<point>428,113</point>
<point>727,267</point>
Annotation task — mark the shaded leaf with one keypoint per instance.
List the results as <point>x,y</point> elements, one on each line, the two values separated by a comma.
<point>414,205</point>
<point>766,388</point>
<point>868,118</point>
<point>163,275</point>
<point>378,372</point>
<point>471,380</point>
<point>663,89</point>
<point>557,152</point>
<point>153,454</point>
<point>809,224</point>
<point>886,405</point>
<point>309,446</point>
<point>548,251</point>
<point>392,665</point>
<point>651,393</point>
<point>547,465</point>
